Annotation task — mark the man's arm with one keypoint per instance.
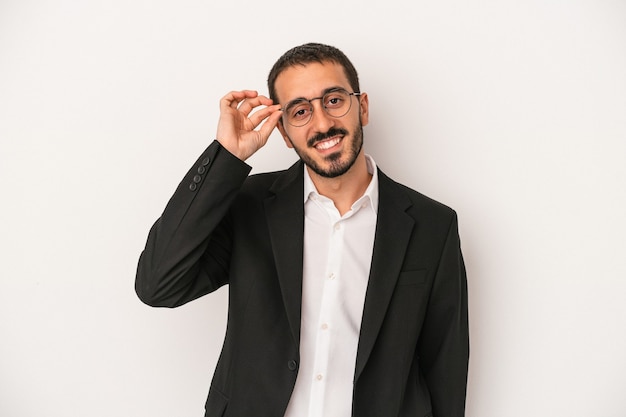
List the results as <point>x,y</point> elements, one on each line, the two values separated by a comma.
<point>188,248</point>
<point>187,253</point>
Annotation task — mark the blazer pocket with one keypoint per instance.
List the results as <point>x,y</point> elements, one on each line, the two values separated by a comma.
<point>216,404</point>
<point>416,277</point>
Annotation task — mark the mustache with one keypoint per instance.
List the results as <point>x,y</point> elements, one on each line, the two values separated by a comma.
<point>333,131</point>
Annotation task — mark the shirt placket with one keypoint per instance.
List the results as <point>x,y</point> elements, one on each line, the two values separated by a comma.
<point>326,319</point>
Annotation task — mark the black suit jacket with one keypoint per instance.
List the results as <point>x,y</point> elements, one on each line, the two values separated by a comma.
<point>222,226</point>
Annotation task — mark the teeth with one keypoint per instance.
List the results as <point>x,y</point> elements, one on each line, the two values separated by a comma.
<point>327,144</point>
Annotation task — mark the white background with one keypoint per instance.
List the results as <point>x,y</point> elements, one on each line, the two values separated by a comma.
<point>511,112</point>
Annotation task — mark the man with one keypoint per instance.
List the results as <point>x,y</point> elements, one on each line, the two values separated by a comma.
<point>347,291</point>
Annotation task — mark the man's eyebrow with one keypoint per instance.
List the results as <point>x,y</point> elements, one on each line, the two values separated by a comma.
<point>331,89</point>
<point>324,92</point>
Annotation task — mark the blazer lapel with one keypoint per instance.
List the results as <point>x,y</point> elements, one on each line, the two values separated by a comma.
<point>393,231</point>
<point>285,218</point>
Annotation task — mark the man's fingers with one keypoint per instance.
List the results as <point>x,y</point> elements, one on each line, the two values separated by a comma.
<point>270,123</point>
<point>242,112</point>
<point>246,106</point>
<point>234,98</point>
<point>257,117</point>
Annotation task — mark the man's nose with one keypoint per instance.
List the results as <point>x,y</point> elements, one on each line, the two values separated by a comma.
<point>321,121</point>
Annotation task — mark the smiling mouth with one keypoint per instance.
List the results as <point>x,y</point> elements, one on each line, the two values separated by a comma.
<point>327,144</point>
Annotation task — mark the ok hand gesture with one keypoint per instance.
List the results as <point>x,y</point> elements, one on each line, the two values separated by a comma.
<point>236,129</point>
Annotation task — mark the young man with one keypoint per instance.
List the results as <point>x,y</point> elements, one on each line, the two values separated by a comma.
<point>347,291</point>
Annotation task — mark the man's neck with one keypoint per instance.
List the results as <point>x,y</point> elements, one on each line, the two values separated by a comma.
<point>345,189</point>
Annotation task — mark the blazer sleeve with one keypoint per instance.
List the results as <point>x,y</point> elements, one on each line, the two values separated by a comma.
<point>187,253</point>
<point>444,347</point>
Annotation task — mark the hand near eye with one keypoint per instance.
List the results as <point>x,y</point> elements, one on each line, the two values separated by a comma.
<point>237,127</point>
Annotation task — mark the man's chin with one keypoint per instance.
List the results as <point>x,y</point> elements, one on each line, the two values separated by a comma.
<point>332,167</point>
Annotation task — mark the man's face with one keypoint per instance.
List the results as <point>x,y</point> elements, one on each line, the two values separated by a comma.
<point>327,145</point>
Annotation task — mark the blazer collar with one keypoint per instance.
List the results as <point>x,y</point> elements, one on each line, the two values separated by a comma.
<point>284,210</point>
<point>393,231</point>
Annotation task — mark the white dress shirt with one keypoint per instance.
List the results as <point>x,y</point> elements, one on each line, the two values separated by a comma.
<point>337,259</point>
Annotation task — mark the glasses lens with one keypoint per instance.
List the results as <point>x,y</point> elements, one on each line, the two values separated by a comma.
<point>298,112</point>
<point>337,103</point>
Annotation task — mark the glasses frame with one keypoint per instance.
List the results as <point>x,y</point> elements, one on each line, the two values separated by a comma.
<point>310,101</point>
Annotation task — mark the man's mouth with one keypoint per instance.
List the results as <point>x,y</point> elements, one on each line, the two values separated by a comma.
<point>327,144</point>
<point>327,140</point>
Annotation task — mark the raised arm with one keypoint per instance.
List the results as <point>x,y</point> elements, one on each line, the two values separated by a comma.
<point>187,253</point>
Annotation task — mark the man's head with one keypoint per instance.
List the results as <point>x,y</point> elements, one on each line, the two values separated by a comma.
<point>323,109</point>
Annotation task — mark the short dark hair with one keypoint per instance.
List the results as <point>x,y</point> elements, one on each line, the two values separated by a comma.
<point>306,54</point>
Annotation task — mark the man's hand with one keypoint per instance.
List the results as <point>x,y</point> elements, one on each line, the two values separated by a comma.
<point>236,128</point>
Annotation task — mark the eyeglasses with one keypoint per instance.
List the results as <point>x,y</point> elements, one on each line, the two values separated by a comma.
<point>336,103</point>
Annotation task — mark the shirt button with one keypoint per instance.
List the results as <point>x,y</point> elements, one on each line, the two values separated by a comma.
<point>319,377</point>
<point>337,226</point>
<point>324,326</point>
<point>292,365</point>
<point>331,276</point>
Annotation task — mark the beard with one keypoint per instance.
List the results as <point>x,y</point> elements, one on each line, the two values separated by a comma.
<point>337,163</point>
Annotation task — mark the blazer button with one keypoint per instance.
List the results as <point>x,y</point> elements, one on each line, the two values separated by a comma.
<point>201,170</point>
<point>193,186</point>
<point>206,161</point>
<point>292,365</point>
<point>197,179</point>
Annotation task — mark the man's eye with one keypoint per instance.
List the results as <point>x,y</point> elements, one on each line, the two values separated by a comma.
<point>300,112</point>
<point>334,101</point>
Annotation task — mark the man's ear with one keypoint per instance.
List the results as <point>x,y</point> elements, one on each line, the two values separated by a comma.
<point>364,109</point>
<point>281,129</point>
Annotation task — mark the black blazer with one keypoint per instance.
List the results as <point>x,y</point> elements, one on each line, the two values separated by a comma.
<point>222,226</point>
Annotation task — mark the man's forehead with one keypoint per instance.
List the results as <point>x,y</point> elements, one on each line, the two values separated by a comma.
<point>309,80</point>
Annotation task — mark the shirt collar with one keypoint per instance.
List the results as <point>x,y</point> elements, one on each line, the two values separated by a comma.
<point>371,192</point>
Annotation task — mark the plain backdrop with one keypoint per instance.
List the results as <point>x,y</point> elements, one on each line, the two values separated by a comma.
<point>511,112</point>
